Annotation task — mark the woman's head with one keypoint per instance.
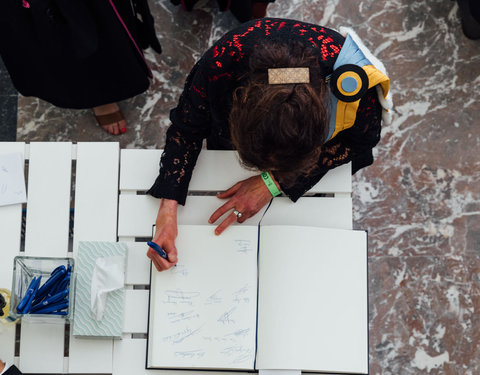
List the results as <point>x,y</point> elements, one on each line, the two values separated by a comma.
<point>280,127</point>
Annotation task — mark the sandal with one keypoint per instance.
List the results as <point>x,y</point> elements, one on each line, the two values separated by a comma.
<point>110,119</point>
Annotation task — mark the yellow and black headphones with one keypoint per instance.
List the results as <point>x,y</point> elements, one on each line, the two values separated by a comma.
<point>349,83</point>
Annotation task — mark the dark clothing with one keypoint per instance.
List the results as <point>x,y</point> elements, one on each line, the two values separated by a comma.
<point>76,53</point>
<point>12,370</point>
<point>470,18</point>
<point>241,9</point>
<point>206,101</point>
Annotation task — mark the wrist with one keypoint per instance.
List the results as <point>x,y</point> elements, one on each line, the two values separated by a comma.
<point>167,213</point>
<point>169,205</point>
<point>272,185</point>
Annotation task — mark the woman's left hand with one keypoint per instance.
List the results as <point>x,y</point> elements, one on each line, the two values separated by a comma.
<point>247,196</point>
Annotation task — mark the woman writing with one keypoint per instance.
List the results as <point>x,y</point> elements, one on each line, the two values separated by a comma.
<point>294,99</point>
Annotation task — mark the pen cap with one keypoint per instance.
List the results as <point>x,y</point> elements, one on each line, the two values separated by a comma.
<point>25,269</point>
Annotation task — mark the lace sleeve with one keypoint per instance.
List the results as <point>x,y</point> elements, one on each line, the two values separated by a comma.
<point>354,144</point>
<point>190,125</point>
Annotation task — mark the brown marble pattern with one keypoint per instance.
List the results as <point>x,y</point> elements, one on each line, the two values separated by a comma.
<point>420,201</point>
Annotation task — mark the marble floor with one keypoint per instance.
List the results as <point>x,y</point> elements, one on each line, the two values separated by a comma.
<point>420,201</point>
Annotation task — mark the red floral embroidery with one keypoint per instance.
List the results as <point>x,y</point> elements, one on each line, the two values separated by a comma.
<point>200,91</point>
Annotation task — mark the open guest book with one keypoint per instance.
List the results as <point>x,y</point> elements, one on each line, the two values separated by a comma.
<point>268,297</point>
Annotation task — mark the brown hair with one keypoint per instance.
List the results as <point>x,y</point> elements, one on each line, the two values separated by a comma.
<point>280,128</point>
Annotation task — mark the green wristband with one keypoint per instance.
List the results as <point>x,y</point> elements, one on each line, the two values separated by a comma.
<point>270,184</point>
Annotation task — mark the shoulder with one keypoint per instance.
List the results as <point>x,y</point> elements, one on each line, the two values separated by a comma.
<point>369,103</point>
<point>229,56</point>
<point>238,40</point>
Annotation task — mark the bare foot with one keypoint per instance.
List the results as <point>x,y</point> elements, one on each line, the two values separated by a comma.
<point>115,126</point>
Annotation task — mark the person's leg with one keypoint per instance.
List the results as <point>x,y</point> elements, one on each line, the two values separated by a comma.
<point>475,9</point>
<point>110,118</point>
<point>470,18</point>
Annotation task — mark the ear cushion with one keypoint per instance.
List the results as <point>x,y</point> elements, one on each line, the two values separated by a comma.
<point>349,82</point>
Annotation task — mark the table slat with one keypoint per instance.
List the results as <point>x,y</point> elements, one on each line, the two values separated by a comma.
<point>10,226</point>
<point>48,206</point>
<point>96,195</point>
<point>41,348</point>
<point>137,213</point>
<point>7,343</point>
<point>90,356</point>
<point>214,171</point>
<point>322,212</point>
<point>136,311</point>
<point>138,265</point>
<point>96,192</point>
<point>139,168</point>
<point>10,234</point>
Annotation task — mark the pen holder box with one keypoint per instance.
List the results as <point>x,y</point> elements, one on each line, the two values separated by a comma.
<point>25,270</point>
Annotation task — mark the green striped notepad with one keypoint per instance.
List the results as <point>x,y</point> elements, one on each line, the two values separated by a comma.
<point>84,324</point>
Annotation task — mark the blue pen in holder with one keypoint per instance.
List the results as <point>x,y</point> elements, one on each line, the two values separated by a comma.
<point>42,288</point>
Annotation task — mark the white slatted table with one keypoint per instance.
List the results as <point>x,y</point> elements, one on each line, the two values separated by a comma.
<point>108,189</point>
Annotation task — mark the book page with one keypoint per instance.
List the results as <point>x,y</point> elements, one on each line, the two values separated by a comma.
<point>203,312</point>
<point>312,312</point>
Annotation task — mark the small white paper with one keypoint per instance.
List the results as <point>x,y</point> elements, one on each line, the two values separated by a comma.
<point>108,276</point>
<point>12,179</point>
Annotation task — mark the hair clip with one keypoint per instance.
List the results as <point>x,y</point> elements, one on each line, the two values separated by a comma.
<point>277,76</point>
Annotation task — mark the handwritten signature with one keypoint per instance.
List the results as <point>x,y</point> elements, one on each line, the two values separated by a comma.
<point>181,336</point>
<point>198,353</point>
<point>214,298</point>
<point>243,246</point>
<point>180,297</point>
<point>187,315</point>
<point>226,317</point>
<point>238,296</point>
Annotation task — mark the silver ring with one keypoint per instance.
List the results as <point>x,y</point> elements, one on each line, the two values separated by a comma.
<point>237,213</point>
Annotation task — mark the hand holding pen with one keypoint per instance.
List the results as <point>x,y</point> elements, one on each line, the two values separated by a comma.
<point>164,237</point>
<point>161,260</point>
<point>157,249</point>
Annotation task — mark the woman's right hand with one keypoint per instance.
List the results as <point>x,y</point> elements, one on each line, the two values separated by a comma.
<point>165,234</point>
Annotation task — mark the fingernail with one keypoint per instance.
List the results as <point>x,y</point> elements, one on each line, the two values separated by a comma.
<point>123,130</point>
<point>216,233</point>
<point>210,221</point>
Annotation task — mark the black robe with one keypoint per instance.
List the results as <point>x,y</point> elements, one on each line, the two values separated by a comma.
<point>12,370</point>
<point>77,53</point>
<point>241,9</point>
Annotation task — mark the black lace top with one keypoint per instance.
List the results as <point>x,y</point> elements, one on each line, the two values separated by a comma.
<point>204,106</point>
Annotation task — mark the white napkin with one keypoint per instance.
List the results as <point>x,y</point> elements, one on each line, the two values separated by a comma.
<point>108,275</point>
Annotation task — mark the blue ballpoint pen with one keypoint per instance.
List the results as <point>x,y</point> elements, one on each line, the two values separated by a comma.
<point>64,284</point>
<point>28,298</point>
<point>54,307</point>
<point>51,282</point>
<point>50,300</point>
<point>158,249</point>
<point>59,268</point>
<point>28,306</point>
